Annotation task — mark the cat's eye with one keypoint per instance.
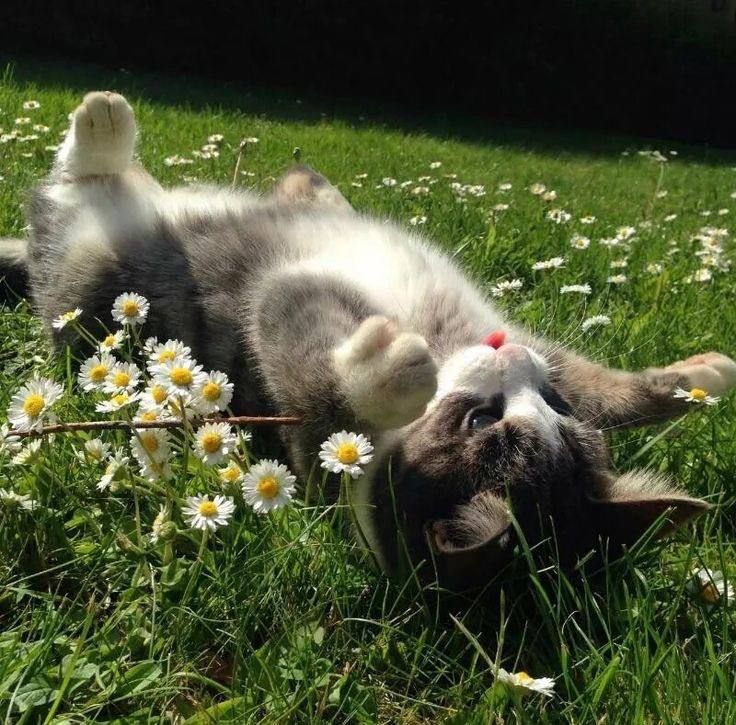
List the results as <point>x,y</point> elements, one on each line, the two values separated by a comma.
<point>481,420</point>
<point>555,401</point>
<point>486,415</point>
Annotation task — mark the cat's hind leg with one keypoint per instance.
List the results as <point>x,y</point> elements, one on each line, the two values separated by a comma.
<point>101,138</point>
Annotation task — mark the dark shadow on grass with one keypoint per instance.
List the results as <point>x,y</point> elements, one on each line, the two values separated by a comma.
<point>200,93</point>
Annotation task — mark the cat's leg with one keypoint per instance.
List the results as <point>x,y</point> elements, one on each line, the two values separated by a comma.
<point>326,355</point>
<point>612,398</point>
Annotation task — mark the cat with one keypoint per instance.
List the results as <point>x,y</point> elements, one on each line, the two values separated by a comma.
<point>352,322</point>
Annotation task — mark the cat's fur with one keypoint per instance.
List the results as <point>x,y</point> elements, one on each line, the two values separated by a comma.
<point>353,322</point>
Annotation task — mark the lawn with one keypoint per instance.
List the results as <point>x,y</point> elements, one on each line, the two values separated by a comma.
<point>281,618</point>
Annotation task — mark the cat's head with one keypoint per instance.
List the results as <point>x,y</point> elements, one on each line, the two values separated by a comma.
<point>499,443</point>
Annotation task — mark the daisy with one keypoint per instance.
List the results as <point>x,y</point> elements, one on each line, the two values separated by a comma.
<point>346,452</point>
<point>505,186</point>
<point>154,398</point>
<point>8,443</point>
<point>63,320</point>
<point>619,263</point>
<point>115,471</point>
<point>418,220</point>
<point>610,242</point>
<point>583,289</point>
<point>168,351</point>
<point>522,684</point>
<point>232,473</point>
<point>130,308</point>
<point>558,216</point>
<point>157,527</point>
<point>670,217</point>
<point>595,321</point>
<point>28,453</point>
<point>553,263</point>
<point>214,393</point>
<point>179,376</point>
<point>94,371</point>
<point>150,445</point>
<point>501,288</point>
<point>95,451</point>
<point>654,268</point>
<point>500,207</point>
<point>215,138</point>
<point>437,164</point>
<point>537,188</point>
<point>579,242</point>
<point>122,378</point>
<point>696,395</point>
<point>551,195</point>
<point>117,402</point>
<point>28,407</point>
<point>13,500</point>
<point>617,279</point>
<point>112,342</point>
<point>624,233</point>
<point>213,441</point>
<point>710,587</point>
<point>31,105</point>
<point>268,485</point>
<point>202,512</point>
<point>587,220</point>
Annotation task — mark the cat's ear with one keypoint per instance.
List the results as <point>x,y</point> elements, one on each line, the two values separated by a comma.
<point>471,547</point>
<point>302,185</point>
<point>626,507</point>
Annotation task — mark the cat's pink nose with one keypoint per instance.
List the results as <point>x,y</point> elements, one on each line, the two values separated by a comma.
<point>513,353</point>
<point>495,339</point>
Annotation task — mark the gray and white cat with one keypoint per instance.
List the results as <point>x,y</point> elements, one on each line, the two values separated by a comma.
<point>353,322</point>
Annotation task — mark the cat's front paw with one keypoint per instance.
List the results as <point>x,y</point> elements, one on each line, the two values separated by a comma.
<point>101,138</point>
<point>713,372</point>
<point>388,376</point>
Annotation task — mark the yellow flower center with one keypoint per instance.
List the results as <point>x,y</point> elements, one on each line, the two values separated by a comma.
<point>166,356</point>
<point>208,509</point>
<point>181,376</point>
<point>211,442</point>
<point>149,415</point>
<point>211,391</point>
<point>698,394</point>
<point>121,379</point>
<point>33,405</point>
<point>268,487</point>
<point>347,453</point>
<point>130,308</point>
<point>68,316</point>
<point>524,678</point>
<point>158,393</point>
<point>230,474</point>
<point>120,399</point>
<point>98,373</point>
<point>150,442</point>
<point>710,593</point>
<point>109,341</point>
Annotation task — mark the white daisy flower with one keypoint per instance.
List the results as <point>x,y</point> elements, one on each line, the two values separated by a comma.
<point>551,195</point>
<point>202,512</point>
<point>661,194</point>
<point>214,393</point>
<point>583,289</point>
<point>346,452</point>
<point>595,321</point>
<point>696,395</point>
<point>416,221</point>
<point>610,242</point>
<point>150,445</point>
<point>31,105</point>
<point>553,263</point>
<point>617,279</point>
<point>670,217</point>
<point>587,219</point>
<point>215,138</point>
<point>710,587</point>
<point>621,263</point>
<point>624,233</point>
<point>22,121</point>
<point>437,164</point>
<point>168,351</point>
<point>122,378</point>
<point>232,473</point>
<point>154,397</point>
<point>214,441</point>
<point>501,288</point>
<point>500,207</point>
<point>95,451</point>
<point>117,402</point>
<point>654,268</point>
<point>8,444</point>
<point>28,453</point>
<point>579,242</point>
<point>537,188</point>
<point>29,406</point>
<point>179,376</point>
<point>522,684</point>
<point>115,471</point>
<point>505,186</point>
<point>268,485</point>
<point>13,500</point>
<point>112,342</point>
<point>130,308</point>
<point>94,371</point>
<point>162,517</point>
<point>63,320</point>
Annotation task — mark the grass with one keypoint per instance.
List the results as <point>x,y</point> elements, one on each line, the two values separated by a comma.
<point>281,619</point>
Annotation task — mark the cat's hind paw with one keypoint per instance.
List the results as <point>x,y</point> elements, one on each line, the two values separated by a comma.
<point>388,376</point>
<point>711,371</point>
<point>101,138</point>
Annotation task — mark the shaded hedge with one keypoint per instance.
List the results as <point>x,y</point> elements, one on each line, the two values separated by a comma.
<point>660,67</point>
